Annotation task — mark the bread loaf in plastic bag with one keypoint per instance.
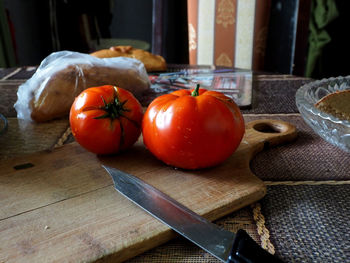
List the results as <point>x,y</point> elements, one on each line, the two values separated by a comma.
<point>63,75</point>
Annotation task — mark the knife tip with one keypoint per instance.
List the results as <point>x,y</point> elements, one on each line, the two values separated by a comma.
<point>107,168</point>
<point>109,171</point>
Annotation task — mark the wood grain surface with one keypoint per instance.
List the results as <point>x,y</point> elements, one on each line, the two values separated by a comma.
<point>61,206</point>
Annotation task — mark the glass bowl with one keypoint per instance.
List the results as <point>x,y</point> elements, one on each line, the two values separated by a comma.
<point>330,128</point>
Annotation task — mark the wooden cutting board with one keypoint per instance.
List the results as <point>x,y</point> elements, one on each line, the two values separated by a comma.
<point>61,206</point>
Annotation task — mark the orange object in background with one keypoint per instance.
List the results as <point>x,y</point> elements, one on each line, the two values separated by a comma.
<point>152,62</point>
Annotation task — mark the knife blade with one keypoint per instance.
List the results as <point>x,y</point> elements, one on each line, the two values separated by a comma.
<point>224,245</point>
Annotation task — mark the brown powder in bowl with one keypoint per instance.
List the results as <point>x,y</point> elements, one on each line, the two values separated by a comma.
<point>336,104</point>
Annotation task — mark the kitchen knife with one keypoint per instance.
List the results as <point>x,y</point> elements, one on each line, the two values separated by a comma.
<point>223,244</point>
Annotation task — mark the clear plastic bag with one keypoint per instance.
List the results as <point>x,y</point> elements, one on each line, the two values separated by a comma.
<point>63,75</point>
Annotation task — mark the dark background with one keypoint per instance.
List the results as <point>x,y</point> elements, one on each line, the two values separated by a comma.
<point>43,26</point>
<point>40,27</point>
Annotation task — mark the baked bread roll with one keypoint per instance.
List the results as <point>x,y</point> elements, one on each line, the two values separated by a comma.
<point>62,76</point>
<point>336,104</point>
<point>152,62</point>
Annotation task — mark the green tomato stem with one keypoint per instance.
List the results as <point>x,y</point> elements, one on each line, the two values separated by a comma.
<point>113,110</point>
<point>195,92</point>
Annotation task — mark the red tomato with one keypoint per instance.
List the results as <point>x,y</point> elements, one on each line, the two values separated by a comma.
<point>106,119</point>
<point>192,129</point>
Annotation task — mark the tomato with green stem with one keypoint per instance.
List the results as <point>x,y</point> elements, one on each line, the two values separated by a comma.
<point>192,129</point>
<point>106,119</point>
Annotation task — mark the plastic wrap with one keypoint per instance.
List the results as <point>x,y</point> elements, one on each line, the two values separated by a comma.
<point>63,75</point>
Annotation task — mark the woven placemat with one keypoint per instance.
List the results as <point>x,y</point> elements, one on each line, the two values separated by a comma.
<point>309,157</point>
<point>36,137</point>
<point>275,95</point>
<point>7,72</point>
<point>17,73</point>
<point>309,223</point>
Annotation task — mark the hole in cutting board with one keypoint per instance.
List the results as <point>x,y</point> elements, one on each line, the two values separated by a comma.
<point>268,128</point>
<point>23,166</point>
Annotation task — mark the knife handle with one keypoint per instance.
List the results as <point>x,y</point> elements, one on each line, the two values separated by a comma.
<point>246,250</point>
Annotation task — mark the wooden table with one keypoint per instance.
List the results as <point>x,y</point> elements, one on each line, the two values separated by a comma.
<point>304,215</point>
